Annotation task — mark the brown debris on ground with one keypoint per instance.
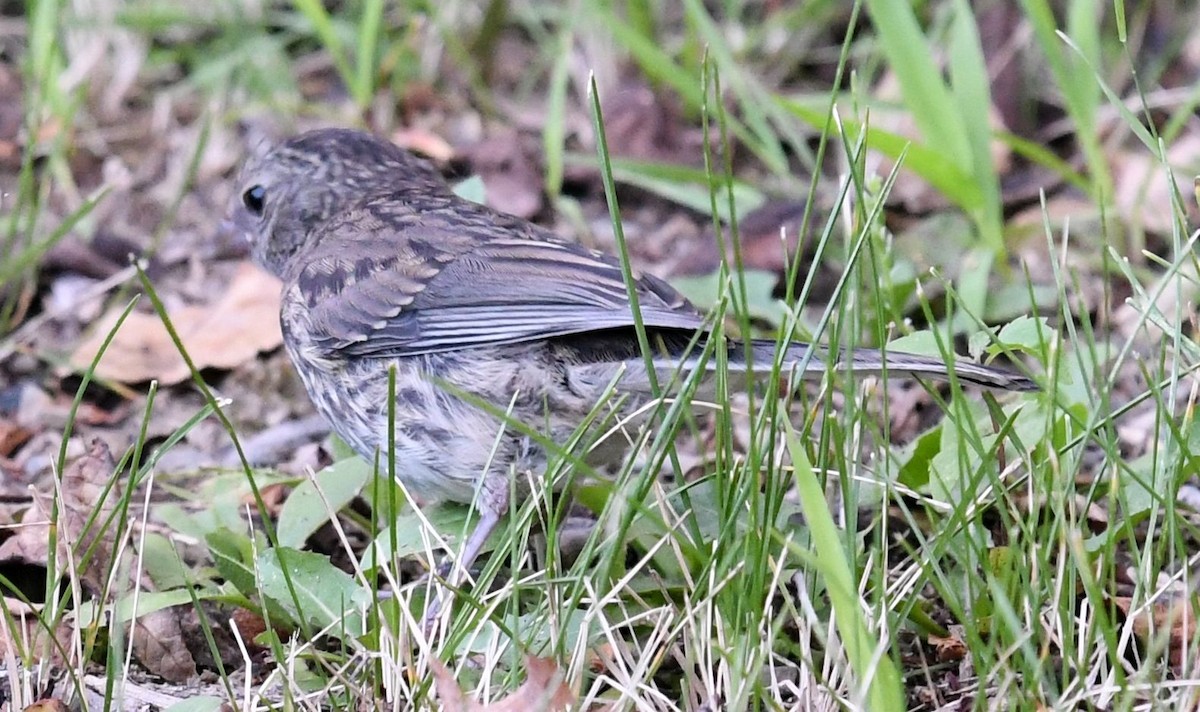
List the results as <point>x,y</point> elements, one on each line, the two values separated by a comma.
<point>543,689</point>
<point>86,529</point>
<point>240,324</point>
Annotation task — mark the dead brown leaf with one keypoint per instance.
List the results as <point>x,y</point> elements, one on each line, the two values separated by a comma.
<point>273,496</point>
<point>223,334</point>
<point>87,544</point>
<point>78,258</point>
<point>451,696</point>
<point>1145,187</point>
<point>602,657</point>
<point>544,689</point>
<point>158,644</point>
<point>12,436</point>
<point>1177,615</point>
<point>47,705</point>
<point>424,142</point>
<point>19,630</point>
<point>952,648</point>
<point>761,235</point>
<point>248,624</point>
<point>31,543</point>
<point>83,490</point>
<point>88,501</point>
<point>27,552</point>
<point>157,638</point>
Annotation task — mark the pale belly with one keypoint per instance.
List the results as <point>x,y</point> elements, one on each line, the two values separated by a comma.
<point>444,444</point>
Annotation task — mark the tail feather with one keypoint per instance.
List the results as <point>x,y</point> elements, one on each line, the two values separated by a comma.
<point>858,361</point>
<point>892,364</point>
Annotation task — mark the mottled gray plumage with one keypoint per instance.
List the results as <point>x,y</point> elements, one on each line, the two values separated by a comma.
<point>383,266</point>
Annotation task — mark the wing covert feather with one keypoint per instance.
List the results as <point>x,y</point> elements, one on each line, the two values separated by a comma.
<point>393,295</point>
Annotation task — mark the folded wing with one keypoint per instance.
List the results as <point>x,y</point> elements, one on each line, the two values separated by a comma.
<point>437,293</point>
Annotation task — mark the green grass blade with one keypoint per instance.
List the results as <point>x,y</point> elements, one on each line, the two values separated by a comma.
<point>869,658</point>
<point>925,92</point>
<point>969,83</point>
<point>934,166</point>
<point>365,57</point>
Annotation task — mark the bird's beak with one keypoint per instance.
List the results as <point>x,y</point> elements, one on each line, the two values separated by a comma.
<point>238,224</point>
<point>236,230</point>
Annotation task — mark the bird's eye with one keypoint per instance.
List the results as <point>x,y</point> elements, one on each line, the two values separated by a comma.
<point>253,199</point>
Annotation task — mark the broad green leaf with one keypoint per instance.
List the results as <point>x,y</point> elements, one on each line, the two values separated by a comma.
<point>970,84</point>
<point>707,511</point>
<point>931,102</point>
<point>162,563</point>
<point>704,291</point>
<point>329,599</point>
<point>1025,333</point>
<point>149,602</point>
<point>1141,485</point>
<point>408,535</point>
<point>232,554</point>
<point>917,457</point>
<point>922,343</point>
<point>308,509</point>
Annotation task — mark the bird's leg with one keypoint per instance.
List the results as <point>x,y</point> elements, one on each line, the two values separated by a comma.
<point>492,505</point>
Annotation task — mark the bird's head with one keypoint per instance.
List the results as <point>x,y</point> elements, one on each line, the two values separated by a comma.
<point>286,195</point>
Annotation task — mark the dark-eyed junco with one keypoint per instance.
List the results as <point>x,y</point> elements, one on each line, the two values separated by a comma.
<point>384,266</point>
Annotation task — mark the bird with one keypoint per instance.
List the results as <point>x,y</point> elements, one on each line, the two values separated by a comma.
<point>385,269</point>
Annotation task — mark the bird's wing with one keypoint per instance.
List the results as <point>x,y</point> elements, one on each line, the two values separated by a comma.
<point>438,292</point>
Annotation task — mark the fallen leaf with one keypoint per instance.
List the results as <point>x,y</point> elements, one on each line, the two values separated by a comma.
<point>451,696</point>
<point>544,690</point>
<point>84,498</point>
<point>18,608</point>
<point>223,334</point>
<point>47,705</point>
<point>249,626</point>
<point>87,544</point>
<point>25,555</point>
<point>20,632</point>
<point>89,498</point>
<point>1177,615</point>
<point>761,241</point>
<point>159,645</point>
<point>948,649</point>
<point>12,436</point>
<point>602,657</point>
<point>1145,186</point>
<point>30,545</point>
<point>92,414</point>
<point>424,142</point>
<point>273,496</point>
<point>89,259</point>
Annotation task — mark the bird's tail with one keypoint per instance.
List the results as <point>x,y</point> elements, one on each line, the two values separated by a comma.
<point>797,363</point>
